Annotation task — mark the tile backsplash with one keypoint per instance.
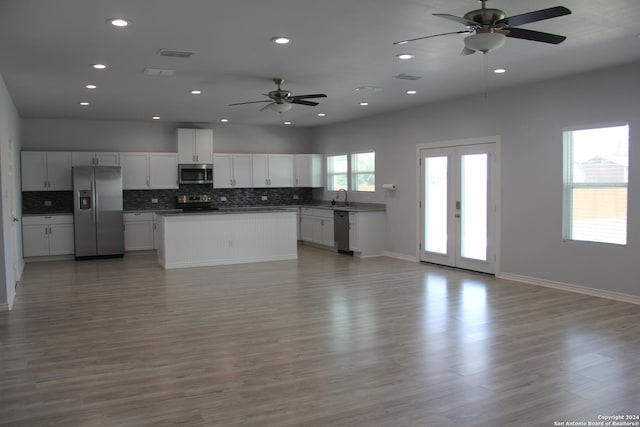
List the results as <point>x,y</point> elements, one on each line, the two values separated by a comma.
<point>46,202</point>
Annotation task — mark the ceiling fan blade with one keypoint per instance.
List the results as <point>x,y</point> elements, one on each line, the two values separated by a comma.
<point>315,95</point>
<point>267,106</point>
<point>536,36</point>
<point>459,20</point>
<point>434,35</point>
<point>302,102</point>
<point>250,102</point>
<point>466,51</point>
<point>538,15</point>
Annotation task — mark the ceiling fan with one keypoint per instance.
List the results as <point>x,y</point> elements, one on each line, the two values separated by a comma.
<point>281,100</point>
<point>489,28</point>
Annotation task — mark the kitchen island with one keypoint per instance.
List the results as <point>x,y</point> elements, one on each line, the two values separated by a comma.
<point>195,239</point>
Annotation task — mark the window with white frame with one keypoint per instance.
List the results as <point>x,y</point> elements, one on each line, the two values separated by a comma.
<point>363,171</point>
<point>337,173</point>
<point>596,169</point>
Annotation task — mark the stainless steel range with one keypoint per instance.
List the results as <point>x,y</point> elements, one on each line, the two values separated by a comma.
<point>195,202</point>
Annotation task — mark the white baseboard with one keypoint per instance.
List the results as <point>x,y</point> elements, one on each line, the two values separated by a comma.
<point>617,296</point>
<point>403,257</point>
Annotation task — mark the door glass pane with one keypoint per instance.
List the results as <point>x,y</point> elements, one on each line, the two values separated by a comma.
<point>435,189</point>
<point>473,206</point>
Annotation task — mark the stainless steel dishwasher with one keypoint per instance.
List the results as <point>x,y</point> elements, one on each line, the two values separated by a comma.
<point>341,231</point>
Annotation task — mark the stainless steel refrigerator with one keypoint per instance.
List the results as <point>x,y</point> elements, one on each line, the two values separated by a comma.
<point>97,214</point>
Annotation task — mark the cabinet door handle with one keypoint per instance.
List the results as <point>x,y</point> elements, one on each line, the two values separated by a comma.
<point>148,183</point>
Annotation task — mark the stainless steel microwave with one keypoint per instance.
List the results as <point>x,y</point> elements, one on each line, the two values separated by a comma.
<point>195,174</point>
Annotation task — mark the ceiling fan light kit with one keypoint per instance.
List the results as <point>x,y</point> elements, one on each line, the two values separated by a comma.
<point>280,108</point>
<point>484,42</point>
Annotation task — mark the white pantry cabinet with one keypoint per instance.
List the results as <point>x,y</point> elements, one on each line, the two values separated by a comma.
<point>138,231</point>
<point>143,171</point>
<point>272,170</point>
<point>47,235</point>
<point>195,146</point>
<point>308,170</point>
<point>232,170</point>
<point>46,171</point>
<point>86,158</point>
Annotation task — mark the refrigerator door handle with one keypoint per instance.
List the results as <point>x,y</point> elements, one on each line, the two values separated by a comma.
<point>96,206</point>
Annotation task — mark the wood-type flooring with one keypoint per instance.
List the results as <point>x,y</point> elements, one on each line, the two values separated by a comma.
<point>325,340</point>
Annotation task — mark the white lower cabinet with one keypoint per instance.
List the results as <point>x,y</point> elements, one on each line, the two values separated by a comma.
<point>316,226</point>
<point>138,231</point>
<point>47,235</point>
<point>366,233</point>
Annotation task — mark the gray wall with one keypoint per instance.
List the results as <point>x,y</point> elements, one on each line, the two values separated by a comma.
<point>10,246</point>
<point>104,135</point>
<point>530,120</point>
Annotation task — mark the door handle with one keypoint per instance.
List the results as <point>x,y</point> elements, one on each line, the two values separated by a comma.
<point>15,219</point>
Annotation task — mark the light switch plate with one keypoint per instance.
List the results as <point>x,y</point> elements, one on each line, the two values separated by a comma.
<point>264,197</point>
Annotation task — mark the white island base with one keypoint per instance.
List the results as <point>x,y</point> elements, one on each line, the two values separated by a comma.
<point>226,237</point>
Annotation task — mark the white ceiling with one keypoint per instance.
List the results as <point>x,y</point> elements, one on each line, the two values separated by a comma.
<point>46,47</point>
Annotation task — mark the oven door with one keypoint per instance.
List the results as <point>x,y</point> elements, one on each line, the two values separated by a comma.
<point>195,174</point>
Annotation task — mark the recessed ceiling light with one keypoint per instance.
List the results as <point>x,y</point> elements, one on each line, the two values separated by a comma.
<point>412,92</point>
<point>499,71</point>
<point>364,104</point>
<point>90,86</point>
<point>321,114</point>
<point>286,123</point>
<point>280,40</point>
<point>156,117</point>
<point>224,120</point>
<point>405,55</point>
<point>196,92</point>
<point>99,66</point>
<point>84,103</point>
<point>118,22</point>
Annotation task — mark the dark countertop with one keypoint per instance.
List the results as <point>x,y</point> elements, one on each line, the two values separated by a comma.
<point>226,211</point>
<point>320,204</point>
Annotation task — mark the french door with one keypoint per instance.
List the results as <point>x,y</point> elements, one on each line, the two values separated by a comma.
<point>457,206</point>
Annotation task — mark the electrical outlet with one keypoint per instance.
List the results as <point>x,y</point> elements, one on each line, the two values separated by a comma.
<point>223,199</point>
<point>154,200</point>
<point>295,197</point>
<point>264,198</point>
<point>47,203</point>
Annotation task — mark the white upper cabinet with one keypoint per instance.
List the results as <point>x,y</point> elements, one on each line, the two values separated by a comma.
<point>163,170</point>
<point>308,170</point>
<point>87,158</point>
<point>195,146</point>
<point>46,171</point>
<point>135,171</point>
<point>272,170</point>
<point>232,170</point>
<point>223,171</point>
<point>142,171</point>
<point>280,170</point>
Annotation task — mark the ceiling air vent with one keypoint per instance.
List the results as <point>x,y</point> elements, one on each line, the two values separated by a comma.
<point>158,72</point>
<point>175,53</point>
<point>403,76</point>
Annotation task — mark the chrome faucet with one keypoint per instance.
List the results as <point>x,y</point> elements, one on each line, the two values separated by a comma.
<point>345,196</point>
